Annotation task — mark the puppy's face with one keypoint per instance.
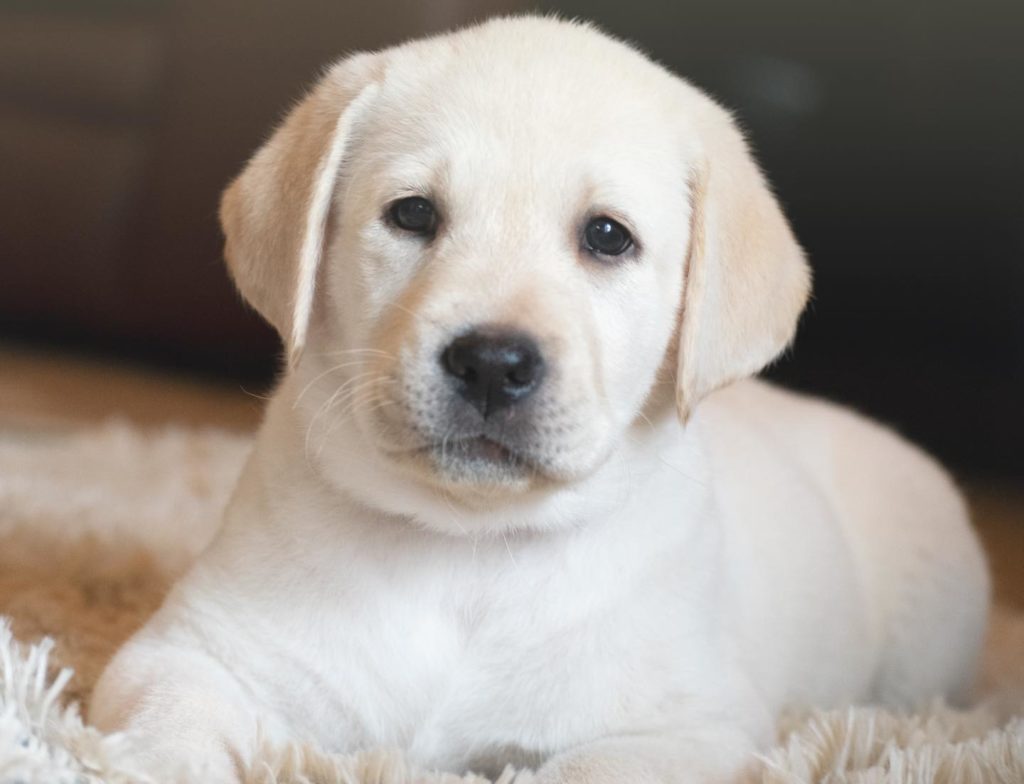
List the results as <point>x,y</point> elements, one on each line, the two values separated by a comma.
<point>490,234</point>
<point>505,274</point>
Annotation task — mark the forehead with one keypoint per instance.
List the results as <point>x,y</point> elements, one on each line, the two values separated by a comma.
<point>484,112</point>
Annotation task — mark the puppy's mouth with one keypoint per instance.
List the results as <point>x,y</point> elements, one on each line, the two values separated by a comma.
<point>480,448</point>
<point>476,460</point>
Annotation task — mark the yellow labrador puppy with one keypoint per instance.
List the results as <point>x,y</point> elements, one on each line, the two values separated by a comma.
<point>494,514</point>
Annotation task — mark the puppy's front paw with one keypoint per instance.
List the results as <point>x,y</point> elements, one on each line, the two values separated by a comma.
<point>596,769</point>
<point>671,759</point>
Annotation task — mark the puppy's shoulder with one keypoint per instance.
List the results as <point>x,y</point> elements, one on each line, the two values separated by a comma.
<point>793,417</point>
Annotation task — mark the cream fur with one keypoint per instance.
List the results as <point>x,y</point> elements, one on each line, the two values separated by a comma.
<point>628,599</point>
<point>95,523</point>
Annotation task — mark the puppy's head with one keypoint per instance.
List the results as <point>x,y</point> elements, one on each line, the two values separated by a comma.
<point>481,250</point>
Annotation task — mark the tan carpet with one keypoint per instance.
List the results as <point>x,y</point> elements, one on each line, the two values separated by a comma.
<point>94,526</point>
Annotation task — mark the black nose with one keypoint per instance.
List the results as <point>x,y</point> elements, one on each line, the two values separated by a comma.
<point>494,368</point>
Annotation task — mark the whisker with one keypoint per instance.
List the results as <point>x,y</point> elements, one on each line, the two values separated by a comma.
<point>355,400</point>
<point>351,397</point>
<point>508,549</point>
<point>446,494</point>
<point>330,370</point>
<point>326,406</point>
<point>341,351</point>
<point>403,308</point>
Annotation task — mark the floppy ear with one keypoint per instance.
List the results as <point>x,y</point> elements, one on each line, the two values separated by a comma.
<point>275,213</point>
<point>746,280</point>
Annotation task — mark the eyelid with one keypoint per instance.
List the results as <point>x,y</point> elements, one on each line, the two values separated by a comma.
<point>389,203</point>
<point>601,211</point>
<point>409,192</point>
<point>412,192</point>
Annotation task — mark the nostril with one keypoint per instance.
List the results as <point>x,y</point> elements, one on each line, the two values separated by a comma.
<point>456,360</point>
<point>522,373</point>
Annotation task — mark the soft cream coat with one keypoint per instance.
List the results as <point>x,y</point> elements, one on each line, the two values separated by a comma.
<point>621,594</point>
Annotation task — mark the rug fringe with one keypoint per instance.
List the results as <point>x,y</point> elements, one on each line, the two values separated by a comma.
<point>873,746</point>
<point>43,741</point>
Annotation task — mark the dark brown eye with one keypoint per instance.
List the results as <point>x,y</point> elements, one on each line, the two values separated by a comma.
<point>414,214</point>
<point>607,237</point>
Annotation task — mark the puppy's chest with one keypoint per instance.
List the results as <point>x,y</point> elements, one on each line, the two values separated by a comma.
<point>455,671</point>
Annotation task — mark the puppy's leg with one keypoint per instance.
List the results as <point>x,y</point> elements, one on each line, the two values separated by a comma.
<point>924,573</point>
<point>186,717</point>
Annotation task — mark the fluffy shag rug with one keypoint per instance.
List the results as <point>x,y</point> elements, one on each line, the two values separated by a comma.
<point>95,525</point>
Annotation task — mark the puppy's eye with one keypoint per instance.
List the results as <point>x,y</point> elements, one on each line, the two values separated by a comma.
<point>607,237</point>
<point>414,214</point>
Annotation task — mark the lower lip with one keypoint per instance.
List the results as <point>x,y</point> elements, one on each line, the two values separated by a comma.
<point>475,459</point>
<point>481,449</point>
<point>463,454</point>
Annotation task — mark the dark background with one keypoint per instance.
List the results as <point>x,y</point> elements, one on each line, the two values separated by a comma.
<point>892,132</point>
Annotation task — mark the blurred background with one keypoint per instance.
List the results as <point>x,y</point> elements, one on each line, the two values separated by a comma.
<point>892,133</point>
